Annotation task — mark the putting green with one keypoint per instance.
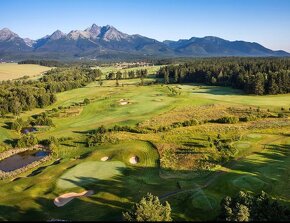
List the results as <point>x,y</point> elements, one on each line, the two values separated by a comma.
<point>249,183</point>
<point>88,172</point>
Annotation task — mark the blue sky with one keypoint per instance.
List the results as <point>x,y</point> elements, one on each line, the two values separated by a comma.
<point>263,21</point>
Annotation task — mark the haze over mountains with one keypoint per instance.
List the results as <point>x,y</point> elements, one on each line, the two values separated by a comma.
<point>106,42</point>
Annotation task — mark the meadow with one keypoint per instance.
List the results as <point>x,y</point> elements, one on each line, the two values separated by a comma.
<point>177,164</point>
<point>9,71</point>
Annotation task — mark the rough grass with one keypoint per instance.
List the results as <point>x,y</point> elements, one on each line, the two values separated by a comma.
<point>9,71</point>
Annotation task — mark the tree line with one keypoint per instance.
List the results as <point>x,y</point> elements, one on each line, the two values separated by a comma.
<point>47,63</point>
<point>127,74</point>
<point>23,95</point>
<point>140,73</point>
<point>253,75</point>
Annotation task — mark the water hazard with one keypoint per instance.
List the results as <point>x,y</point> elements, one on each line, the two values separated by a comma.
<point>21,159</point>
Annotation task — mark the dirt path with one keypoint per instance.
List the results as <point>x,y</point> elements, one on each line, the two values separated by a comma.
<point>215,175</point>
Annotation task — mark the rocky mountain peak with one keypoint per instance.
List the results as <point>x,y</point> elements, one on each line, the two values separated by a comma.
<point>94,31</point>
<point>57,35</point>
<point>7,34</point>
<point>109,33</point>
<point>76,34</point>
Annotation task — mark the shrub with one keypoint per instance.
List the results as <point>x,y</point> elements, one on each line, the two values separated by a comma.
<point>95,139</point>
<point>248,118</point>
<point>282,115</point>
<point>42,120</point>
<point>87,101</point>
<point>228,119</point>
<point>27,141</point>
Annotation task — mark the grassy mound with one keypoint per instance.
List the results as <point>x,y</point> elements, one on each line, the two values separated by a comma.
<point>249,183</point>
<point>88,172</point>
<point>203,201</point>
<point>148,156</point>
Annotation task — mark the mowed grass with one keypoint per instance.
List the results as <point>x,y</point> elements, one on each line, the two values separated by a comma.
<point>117,184</point>
<point>267,169</point>
<point>147,102</point>
<point>9,71</point>
<point>89,172</point>
<point>230,95</point>
<point>106,109</point>
<point>119,156</point>
<point>31,197</point>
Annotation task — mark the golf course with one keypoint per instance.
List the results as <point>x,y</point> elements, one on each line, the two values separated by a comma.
<point>192,166</point>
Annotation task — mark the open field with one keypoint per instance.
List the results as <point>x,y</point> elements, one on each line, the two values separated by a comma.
<point>179,164</point>
<point>9,71</point>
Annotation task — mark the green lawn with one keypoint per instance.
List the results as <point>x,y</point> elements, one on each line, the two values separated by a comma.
<point>118,183</point>
<point>267,169</point>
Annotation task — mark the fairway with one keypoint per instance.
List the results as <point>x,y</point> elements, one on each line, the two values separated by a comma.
<point>9,71</point>
<point>177,114</point>
<point>226,94</point>
<point>250,183</point>
<point>179,151</point>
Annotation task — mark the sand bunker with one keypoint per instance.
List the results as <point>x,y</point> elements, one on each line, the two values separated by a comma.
<point>134,159</point>
<point>123,101</point>
<point>158,99</point>
<point>65,198</point>
<point>105,158</point>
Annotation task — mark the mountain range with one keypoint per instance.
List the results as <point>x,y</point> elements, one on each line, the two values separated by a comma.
<point>106,42</point>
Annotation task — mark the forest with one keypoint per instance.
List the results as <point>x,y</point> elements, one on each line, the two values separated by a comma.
<point>259,76</point>
<point>47,63</point>
<point>23,95</point>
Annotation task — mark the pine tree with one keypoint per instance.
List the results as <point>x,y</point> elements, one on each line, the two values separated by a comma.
<point>149,208</point>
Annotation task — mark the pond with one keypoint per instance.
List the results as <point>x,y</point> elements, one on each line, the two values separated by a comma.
<point>28,130</point>
<point>22,159</point>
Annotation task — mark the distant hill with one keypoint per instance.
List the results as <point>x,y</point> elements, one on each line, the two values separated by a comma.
<point>106,42</point>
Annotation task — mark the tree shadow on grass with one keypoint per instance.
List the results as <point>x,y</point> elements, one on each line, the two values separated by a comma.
<point>40,169</point>
<point>15,213</point>
<point>7,125</point>
<point>194,144</point>
<point>10,142</point>
<point>117,194</point>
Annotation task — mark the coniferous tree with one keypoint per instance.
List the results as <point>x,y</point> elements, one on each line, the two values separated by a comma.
<point>149,208</point>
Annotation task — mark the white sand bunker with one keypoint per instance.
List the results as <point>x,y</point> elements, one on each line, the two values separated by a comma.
<point>105,158</point>
<point>65,198</point>
<point>134,159</point>
<point>123,101</point>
